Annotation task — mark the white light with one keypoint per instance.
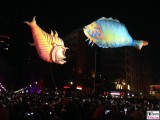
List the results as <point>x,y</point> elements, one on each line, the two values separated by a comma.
<point>71,83</point>
<point>115,93</point>
<point>129,87</point>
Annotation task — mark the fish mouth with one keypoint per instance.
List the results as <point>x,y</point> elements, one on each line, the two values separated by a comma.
<point>60,60</point>
<point>89,38</point>
<point>85,32</point>
<point>58,54</point>
<point>61,55</point>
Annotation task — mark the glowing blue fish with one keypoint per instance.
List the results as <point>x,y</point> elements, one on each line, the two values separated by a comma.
<point>110,33</point>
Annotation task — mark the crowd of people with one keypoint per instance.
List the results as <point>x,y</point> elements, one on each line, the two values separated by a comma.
<point>51,106</point>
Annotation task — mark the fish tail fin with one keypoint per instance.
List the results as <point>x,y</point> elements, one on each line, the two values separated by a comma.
<point>139,44</point>
<point>32,22</point>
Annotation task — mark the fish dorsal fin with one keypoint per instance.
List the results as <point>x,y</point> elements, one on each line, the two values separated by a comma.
<point>102,18</point>
<point>56,34</point>
<point>110,18</point>
<point>52,33</point>
<point>117,20</point>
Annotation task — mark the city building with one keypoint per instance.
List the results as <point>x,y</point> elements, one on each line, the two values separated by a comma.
<point>154,90</point>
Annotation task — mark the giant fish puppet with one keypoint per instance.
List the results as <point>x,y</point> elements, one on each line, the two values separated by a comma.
<point>110,33</point>
<point>50,47</point>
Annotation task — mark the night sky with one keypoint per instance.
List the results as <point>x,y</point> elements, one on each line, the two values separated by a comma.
<point>140,18</point>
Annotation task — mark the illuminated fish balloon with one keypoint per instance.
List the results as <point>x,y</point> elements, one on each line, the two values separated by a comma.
<point>50,47</point>
<point>110,33</point>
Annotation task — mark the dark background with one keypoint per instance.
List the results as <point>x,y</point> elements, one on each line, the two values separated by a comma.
<point>140,17</point>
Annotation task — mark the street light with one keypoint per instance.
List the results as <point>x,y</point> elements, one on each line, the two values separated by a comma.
<point>95,58</point>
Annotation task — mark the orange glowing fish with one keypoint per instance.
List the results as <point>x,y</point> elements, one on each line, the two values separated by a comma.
<point>50,47</point>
